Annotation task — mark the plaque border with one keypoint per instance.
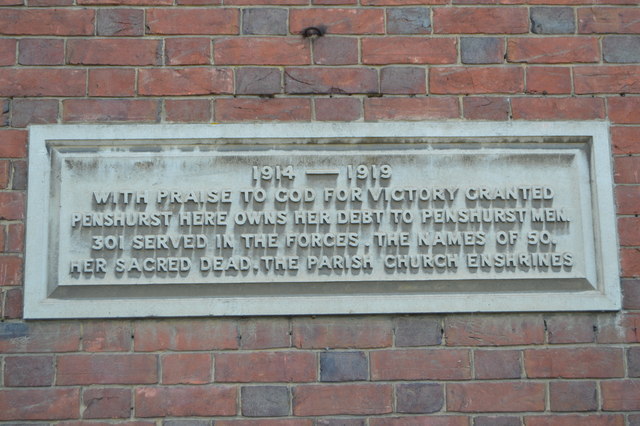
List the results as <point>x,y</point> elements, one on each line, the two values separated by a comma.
<point>38,304</point>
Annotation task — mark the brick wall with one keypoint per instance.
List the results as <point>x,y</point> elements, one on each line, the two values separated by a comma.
<point>150,61</point>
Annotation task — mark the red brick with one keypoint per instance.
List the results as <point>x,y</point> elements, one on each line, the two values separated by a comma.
<point>56,22</point>
<point>264,333</point>
<point>408,50</point>
<point>106,336</point>
<point>193,21</point>
<point>191,369</point>
<point>322,400</point>
<point>188,110</point>
<point>10,266</point>
<point>549,80</point>
<point>630,294</point>
<point>430,420</point>
<point>630,262</point>
<point>13,308</point>
<point>478,20</point>
<point>187,51</point>
<point>39,404</point>
<point>280,109</point>
<point>627,170</point>
<point>42,82</point>
<point>485,108</point>
<point>491,364</point>
<point>33,111</point>
<point>184,81</point>
<point>557,108</point>
<point>310,333</point>
<point>496,397</point>
<point>621,328</point>
<point>13,144</point>
<point>110,110</point>
<point>265,367</point>
<point>12,205</point>
<point>126,2</point>
<point>417,364</point>
<point>28,371</point>
<point>262,51</point>
<point>410,108</point>
<point>112,51</point>
<point>5,177</point>
<point>494,330</point>
<point>625,140</point>
<point>105,423</point>
<point>401,2</point>
<point>624,110</point>
<point>106,403</point>
<point>48,3</point>
<point>106,369</point>
<point>266,2</point>
<point>41,51</point>
<point>185,401</point>
<point>338,20</point>
<point>185,335</point>
<point>338,109</point>
<point>628,199</point>
<point>7,52</point>
<point>265,421</point>
<point>11,2</point>
<point>620,395</point>
<point>330,50</point>
<point>576,420</point>
<point>608,20</point>
<point>39,337</point>
<point>553,50</point>
<point>574,328</point>
<point>573,396</point>
<point>574,363</point>
<point>120,22</point>
<point>112,82</point>
<point>330,80</point>
<point>606,79</point>
<point>475,80</point>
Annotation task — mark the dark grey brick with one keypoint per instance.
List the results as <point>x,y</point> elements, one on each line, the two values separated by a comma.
<point>408,20</point>
<point>34,111</point>
<point>403,80</point>
<point>120,22</point>
<point>343,366</point>
<point>19,179</point>
<point>4,112</point>
<point>633,358</point>
<point>340,422</point>
<point>264,21</point>
<point>258,81</point>
<point>264,401</point>
<point>419,398</point>
<point>414,331</point>
<point>496,421</point>
<point>481,50</point>
<point>552,20</point>
<point>186,423</point>
<point>621,49</point>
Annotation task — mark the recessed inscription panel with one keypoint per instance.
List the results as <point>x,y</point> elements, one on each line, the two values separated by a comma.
<point>241,225</point>
<point>381,213</point>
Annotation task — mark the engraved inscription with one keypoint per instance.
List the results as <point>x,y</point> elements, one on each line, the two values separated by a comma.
<point>389,214</point>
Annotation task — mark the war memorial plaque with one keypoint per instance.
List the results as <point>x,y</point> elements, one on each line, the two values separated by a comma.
<point>271,219</point>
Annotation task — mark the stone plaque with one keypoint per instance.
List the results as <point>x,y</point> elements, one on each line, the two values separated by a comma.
<point>127,221</point>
